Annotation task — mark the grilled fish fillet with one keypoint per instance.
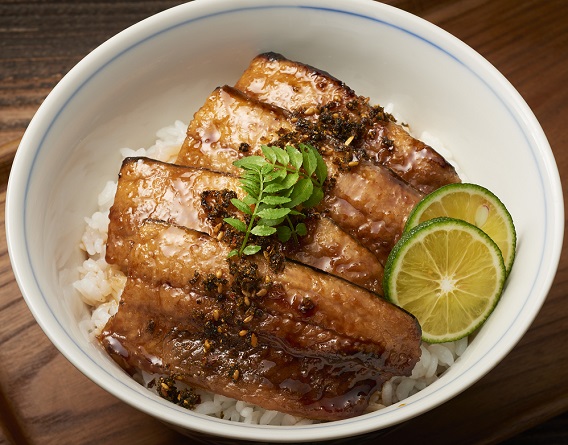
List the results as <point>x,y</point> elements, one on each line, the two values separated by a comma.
<point>318,96</point>
<point>367,201</point>
<point>299,341</point>
<point>153,189</point>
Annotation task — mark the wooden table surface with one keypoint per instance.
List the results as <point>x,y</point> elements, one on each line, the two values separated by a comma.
<point>45,400</point>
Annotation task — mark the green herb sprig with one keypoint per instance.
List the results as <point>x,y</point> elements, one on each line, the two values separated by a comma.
<point>278,186</point>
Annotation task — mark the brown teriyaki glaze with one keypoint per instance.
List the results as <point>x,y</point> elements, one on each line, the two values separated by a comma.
<point>297,328</point>
<point>299,341</point>
<point>315,95</point>
<point>182,195</point>
<point>366,200</point>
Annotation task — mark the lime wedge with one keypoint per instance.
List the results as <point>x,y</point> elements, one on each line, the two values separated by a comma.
<point>477,206</point>
<point>449,274</point>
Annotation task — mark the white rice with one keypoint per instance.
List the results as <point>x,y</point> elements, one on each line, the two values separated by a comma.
<point>100,286</point>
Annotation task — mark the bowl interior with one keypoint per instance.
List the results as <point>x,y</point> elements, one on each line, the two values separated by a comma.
<point>164,68</point>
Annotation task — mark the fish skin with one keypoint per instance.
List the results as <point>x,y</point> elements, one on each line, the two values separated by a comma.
<point>367,201</point>
<point>305,91</point>
<point>152,189</point>
<point>322,362</point>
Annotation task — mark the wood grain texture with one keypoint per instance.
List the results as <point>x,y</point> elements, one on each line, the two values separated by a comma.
<point>45,400</point>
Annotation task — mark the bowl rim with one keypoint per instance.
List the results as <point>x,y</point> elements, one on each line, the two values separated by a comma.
<point>180,16</point>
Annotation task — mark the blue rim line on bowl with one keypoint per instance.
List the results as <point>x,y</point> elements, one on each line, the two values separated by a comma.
<point>408,404</point>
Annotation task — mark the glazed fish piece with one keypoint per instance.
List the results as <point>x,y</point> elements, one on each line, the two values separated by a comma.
<point>228,126</point>
<point>367,201</point>
<point>372,207</point>
<point>299,341</point>
<point>316,95</point>
<point>153,189</point>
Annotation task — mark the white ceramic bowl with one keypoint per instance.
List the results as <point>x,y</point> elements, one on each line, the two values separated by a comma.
<point>163,68</point>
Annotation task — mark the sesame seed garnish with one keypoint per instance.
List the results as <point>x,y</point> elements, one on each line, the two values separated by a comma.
<point>310,111</point>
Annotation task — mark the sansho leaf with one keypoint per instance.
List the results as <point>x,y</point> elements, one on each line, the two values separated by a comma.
<point>250,162</point>
<point>236,223</point>
<point>295,156</point>
<point>282,156</point>
<point>251,249</point>
<point>266,170</point>
<point>290,180</point>
<point>310,161</point>
<point>248,199</point>
<point>269,153</point>
<point>302,191</point>
<point>275,200</point>
<point>275,184</point>
<point>251,187</point>
<point>242,206</point>
<point>315,198</point>
<point>301,229</point>
<point>274,187</point>
<point>252,191</point>
<point>273,213</point>
<point>321,169</point>
<point>271,222</point>
<point>261,230</point>
<point>284,233</point>
<point>277,174</point>
<point>294,212</point>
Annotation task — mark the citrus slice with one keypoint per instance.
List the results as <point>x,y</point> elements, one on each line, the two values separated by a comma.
<point>449,274</point>
<point>477,206</point>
